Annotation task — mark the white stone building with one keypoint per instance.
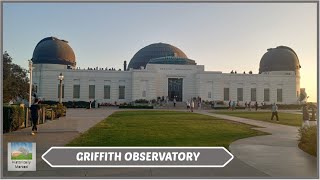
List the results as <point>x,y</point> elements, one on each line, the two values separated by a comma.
<point>163,70</point>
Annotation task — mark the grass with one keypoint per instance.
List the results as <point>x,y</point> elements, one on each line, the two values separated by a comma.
<point>284,118</point>
<point>22,157</point>
<point>308,140</point>
<point>163,128</point>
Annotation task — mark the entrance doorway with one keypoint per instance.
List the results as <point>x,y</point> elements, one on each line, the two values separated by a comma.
<point>175,88</point>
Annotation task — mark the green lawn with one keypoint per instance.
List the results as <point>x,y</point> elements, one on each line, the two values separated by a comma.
<point>284,118</point>
<point>163,128</point>
<point>22,157</point>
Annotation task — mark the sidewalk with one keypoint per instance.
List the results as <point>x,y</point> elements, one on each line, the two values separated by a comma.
<point>77,121</point>
<point>277,155</point>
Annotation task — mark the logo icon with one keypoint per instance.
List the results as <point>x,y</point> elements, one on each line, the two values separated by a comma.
<point>21,156</point>
<point>21,151</point>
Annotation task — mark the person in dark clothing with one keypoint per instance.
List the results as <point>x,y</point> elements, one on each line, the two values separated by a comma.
<point>34,110</point>
<point>256,105</point>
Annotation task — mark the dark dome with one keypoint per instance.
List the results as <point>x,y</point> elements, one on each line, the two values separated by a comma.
<point>281,58</point>
<point>52,50</point>
<point>172,60</point>
<point>157,50</point>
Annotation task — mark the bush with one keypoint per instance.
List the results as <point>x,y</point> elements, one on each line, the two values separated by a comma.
<point>224,107</point>
<point>141,101</point>
<point>136,107</point>
<point>13,117</point>
<point>308,139</point>
<point>60,110</point>
<point>49,114</point>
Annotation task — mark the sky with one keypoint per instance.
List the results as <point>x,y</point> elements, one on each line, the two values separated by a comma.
<point>221,36</point>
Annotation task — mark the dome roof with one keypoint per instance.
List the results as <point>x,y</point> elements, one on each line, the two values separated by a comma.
<point>172,60</point>
<point>52,50</point>
<point>281,58</point>
<point>157,50</point>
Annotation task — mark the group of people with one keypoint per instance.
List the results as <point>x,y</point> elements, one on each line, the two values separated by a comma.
<point>190,105</point>
<point>249,106</point>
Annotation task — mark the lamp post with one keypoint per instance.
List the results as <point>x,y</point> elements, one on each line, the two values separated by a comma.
<point>60,78</point>
<point>30,85</point>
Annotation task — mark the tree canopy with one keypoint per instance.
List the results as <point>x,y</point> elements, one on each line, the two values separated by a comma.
<point>15,80</point>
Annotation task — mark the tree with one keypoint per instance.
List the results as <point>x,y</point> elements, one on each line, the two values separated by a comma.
<point>15,80</point>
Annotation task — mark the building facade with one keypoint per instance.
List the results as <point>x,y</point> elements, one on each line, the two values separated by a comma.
<point>163,70</point>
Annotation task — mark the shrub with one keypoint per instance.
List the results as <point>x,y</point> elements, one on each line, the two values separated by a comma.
<point>13,117</point>
<point>60,110</point>
<point>308,139</point>
<point>136,107</point>
<point>49,114</point>
<point>141,101</point>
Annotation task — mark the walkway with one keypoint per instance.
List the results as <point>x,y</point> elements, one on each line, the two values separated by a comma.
<point>277,155</point>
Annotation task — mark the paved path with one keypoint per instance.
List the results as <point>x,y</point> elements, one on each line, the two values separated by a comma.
<point>277,155</point>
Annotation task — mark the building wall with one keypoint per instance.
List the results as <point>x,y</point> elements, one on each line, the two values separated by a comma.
<point>154,81</point>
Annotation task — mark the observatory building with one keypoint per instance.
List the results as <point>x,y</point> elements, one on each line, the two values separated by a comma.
<point>159,70</point>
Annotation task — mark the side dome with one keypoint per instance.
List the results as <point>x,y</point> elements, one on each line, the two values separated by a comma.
<point>281,58</point>
<point>157,50</point>
<point>52,50</point>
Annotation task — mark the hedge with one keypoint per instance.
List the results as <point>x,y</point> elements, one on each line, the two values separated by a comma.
<point>13,117</point>
<point>308,139</point>
<point>135,107</point>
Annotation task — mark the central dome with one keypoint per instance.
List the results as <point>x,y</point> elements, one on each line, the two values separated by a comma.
<point>157,50</point>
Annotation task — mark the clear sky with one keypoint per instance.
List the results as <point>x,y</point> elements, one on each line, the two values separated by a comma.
<point>221,36</point>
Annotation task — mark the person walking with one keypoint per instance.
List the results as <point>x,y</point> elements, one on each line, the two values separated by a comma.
<point>229,104</point>
<point>305,116</point>
<point>233,105</point>
<point>188,106</point>
<point>274,110</point>
<point>249,106</point>
<point>174,102</point>
<point>192,105</point>
<point>256,105</point>
<point>34,110</point>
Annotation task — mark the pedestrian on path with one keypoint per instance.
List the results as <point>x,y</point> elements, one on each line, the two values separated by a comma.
<point>305,116</point>
<point>233,105</point>
<point>192,105</point>
<point>229,104</point>
<point>174,102</point>
<point>188,105</point>
<point>256,105</point>
<point>274,110</point>
<point>34,110</point>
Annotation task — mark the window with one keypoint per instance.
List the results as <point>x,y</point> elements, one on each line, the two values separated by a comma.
<point>267,94</point>
<point>279,95</point>
<point>76,91</point>
<point>253,94</point>
<point>59,90</point>
<point>209,94</point>
<point>122,92</point>
<point>226,94</point>
<point>144,93</point>
<point>92,91</point>
<point>240,94</point>
<point>106,91</point>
